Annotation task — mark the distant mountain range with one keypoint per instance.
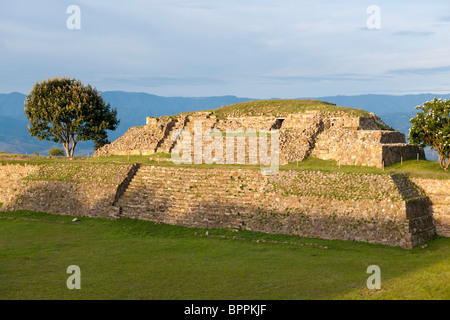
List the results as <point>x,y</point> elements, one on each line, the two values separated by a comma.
<point>133,107</point>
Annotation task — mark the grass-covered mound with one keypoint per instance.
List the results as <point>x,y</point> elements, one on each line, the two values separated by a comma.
<point>281,108</point>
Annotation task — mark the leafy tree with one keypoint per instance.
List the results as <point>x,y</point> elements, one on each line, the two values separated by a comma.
<point>56,152</point>
<point>100,143</point>
<point>431,127</point>
<point>65,111</point>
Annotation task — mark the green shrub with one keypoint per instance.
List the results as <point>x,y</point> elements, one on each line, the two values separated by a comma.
<point>56,152</point>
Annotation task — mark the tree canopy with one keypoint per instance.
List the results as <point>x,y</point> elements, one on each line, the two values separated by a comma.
<point>431,127</point>
<point>65,111</point>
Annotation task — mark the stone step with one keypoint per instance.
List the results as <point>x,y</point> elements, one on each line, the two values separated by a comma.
<point>197,180</point>
<point>187,179</point>
<point>183,196</point>
<point>164,199</point>
<point>175,210</point>
<point>194,185</point>
<point>224,188</point>
<point>213,193</point>
<point>200,176</point>
<point>206,182</point>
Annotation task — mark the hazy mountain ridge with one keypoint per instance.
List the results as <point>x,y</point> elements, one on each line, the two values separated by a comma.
<point>384,104</point>
<point>133,107</point>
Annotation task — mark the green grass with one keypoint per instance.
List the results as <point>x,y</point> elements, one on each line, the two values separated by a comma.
<point>414,168</point>
<point>421,168</point>
<point>132,259</point>
<point>281,107</point>
<point>160,155</point>
<point>79,172</point>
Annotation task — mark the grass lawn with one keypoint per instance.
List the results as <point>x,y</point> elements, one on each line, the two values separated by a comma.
<point>131,259</point>
<point>421,168</point>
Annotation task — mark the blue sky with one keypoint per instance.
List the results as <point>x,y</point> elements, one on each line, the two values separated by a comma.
<point>256,48</point>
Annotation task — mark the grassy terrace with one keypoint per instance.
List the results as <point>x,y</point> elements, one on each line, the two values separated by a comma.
<point>279,107</point>
<point>132,259</point>
<point>421,168</point>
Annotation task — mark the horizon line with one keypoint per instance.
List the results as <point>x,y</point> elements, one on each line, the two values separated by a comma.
<point>273,98</point>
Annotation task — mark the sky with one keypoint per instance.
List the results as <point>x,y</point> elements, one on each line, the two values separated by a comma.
<point>248,48</point>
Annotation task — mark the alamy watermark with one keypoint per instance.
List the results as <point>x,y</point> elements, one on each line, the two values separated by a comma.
<point>74,281</point>
<point>73,22</point>
<point>374,281</point>
<point>213,151</point>
<point>374,20</point>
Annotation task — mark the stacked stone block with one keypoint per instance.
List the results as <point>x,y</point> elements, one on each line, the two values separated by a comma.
<point>438,192</point>
<point>349,140</point>
<point>384,209</point>
<point>358,207</point>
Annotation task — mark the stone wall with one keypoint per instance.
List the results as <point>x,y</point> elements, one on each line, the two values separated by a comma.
<point>390,210</point>
<point>376,148</point>
<point>361,207</point>
<point>245,123</point>
<point>11,183</point>
<point>338,136</point>
<point>73,189</point>
<point>58,197</point>
<point>439,193</point>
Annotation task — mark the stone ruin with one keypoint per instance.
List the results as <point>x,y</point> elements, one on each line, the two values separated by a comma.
<point>327,135</point>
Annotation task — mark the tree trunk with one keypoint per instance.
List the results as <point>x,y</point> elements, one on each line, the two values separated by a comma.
<point>444,161</point>
<point>66,148</point>
<point>72,149</point>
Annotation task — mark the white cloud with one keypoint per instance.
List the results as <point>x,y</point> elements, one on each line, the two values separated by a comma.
<point>257,48</point>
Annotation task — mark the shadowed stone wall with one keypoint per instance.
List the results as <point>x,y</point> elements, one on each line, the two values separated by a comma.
<point>361,207</point>
<point>384,209</point>
<point>439,193</point>
<point>73,189</point>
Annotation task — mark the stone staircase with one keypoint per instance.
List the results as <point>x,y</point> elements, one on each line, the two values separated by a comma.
<point>166,144</point>
<point>195,197</point>
<point>296,144</point>
<point>210,124</point>
<point>245,199</point>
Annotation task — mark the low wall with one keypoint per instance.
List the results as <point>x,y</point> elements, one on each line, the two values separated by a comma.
<point>364,147</point>
<point>72,189</point>
<point>439,193</point>
<point>393,153</point>
<point>11,183</point>
<point>384,209</point>
<point>350,147</point>
<point>86,199</point>
<point>361,207</point>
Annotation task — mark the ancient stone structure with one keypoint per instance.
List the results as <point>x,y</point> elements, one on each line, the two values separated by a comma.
<point>391,210</point>
<point>388,209</point>
<point>371,208</point>
<point>81,190</point>
<point>340,136</point>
